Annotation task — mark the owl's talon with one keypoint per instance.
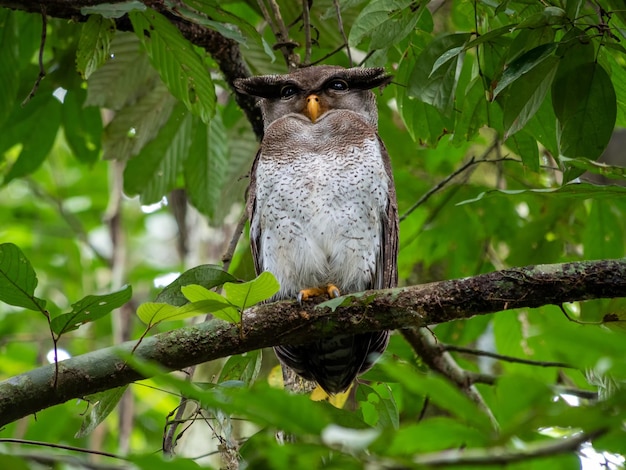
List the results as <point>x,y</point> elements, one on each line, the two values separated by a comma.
<point>333,291</point>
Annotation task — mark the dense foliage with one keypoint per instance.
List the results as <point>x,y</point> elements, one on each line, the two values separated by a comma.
<point>123,161</point>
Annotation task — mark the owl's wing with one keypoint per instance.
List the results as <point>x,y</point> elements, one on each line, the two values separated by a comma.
<point>255,229</point>
<point>387,267</point>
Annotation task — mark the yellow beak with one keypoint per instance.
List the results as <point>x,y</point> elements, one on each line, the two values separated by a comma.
<point>313,107</point>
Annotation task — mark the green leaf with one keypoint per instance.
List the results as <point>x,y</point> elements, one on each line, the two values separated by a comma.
<point>94,43</point>
<point>244,367</point>
<point>215,18</point>
<point>125,77</point>
<point>152,313</point>
<point>437,87</point>
<point>218,305</point>
<point>178,63</point>
<point>516,411</point>
<point>152,173</point>
<point>90,309</point>
<point>113,10</point>
<point>603,234</point>
<point>9,63</point>
<point>246,294</point>
<point>24,125</point>
<point>585,105</point>
<point>18,279</point>
<point>296,413</point>
<point>548,17</point>
<point>14,462</point>
<point>82,126</point>
<point>610,171</point>
<point>206,275</point>
<point>524,97</point>
<point>206,165</point>
<point>440,391</point>
<point>526,147</point>
<point>137,124</point>
<point>524,64</point>
<point>386,21</point>
<point>434,434</point>
<point>378,406</point>
<point>101,406</point>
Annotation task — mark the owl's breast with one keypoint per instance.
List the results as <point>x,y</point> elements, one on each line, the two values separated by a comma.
<point>321,196</point>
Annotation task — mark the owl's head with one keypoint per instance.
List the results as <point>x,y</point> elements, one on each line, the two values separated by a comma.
<point>313,91</point>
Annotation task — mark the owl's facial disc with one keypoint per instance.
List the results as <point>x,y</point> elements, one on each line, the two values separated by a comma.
<point>313,108</point>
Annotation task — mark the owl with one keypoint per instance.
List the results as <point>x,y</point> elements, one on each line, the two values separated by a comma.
<point>322,205</point>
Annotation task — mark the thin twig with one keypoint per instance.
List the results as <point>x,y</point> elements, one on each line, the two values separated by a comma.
<point>228,255</point>
<point>306,23</point>
<point>61,446</point>
<point>476,352</point>
<point>281,33</point>
<point>367,56</point>
<point>342,31</point>
<point>472,161</point>
<point>42,44</point>
<point>330,54</point>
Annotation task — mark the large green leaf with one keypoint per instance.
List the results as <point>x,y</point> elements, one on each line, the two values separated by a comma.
<point>378,406</point>
<point>524,64</point>
<point>18,279</point>
<point>137,123</point>
<point>90,309</point>
<point>434,434</point>
<point>386,22</point>
<point>526,147</point>
<point>152,313</point>
<point>180,66</point>
<point>219,306</point>
<point>441,392</point>
<point>435,74</point>
<point>524,97</point>
<point>124,78</point>
<point>206,275</point>
<point>244,367</point>
<point>585,106</point>
<point>206,165</point>
<point>35,136</point>
<point>250,293</point>
<point>102,404</point>
<point>82,126</point>
<point>152,173</point>
<point>94,44</point>
<point>9,54</point>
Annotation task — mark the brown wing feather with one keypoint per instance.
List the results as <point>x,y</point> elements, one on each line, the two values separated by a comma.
<point>251,209</point>
<point>387,271</point>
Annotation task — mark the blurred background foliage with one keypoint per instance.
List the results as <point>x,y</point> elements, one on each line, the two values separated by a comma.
<point>127,164</point>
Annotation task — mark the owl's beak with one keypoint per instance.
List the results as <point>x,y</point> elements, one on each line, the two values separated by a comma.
<point>313,108</point>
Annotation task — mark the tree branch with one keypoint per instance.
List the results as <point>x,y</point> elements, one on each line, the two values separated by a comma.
<point>503,456</point>
<point>289,323</point>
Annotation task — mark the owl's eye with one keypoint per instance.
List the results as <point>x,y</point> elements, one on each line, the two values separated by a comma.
<point>337,85</point>
<point>287,91</point>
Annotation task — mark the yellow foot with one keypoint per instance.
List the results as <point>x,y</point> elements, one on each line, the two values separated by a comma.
<point>329,289</point>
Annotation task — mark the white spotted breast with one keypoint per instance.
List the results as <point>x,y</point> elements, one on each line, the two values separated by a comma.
<point>321,196</point>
